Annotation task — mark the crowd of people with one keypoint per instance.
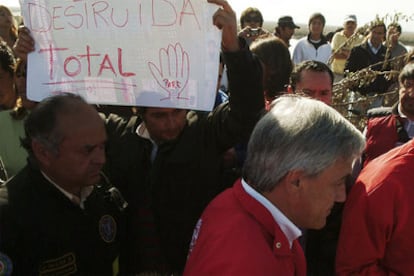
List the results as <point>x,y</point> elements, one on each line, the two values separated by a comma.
<point>272,181</point>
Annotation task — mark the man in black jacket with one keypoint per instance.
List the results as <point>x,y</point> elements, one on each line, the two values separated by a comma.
<point>370,54</point>
<point>167,161</point>
<point>56,215</point>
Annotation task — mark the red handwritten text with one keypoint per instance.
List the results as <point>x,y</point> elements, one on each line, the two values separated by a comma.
<point>75,65</point>
<point>83,14</point>
<point>174,84</point>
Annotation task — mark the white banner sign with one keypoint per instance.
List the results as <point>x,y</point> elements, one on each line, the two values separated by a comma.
<point>161,53</point>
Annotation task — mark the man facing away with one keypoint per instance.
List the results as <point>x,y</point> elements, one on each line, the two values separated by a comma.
<point>298,158</point>
<point>57,216</point>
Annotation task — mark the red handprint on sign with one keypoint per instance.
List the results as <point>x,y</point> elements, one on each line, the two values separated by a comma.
<point>173,70</point>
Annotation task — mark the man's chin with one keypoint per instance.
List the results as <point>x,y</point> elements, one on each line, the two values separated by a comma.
<point>94,179</point>
<point>169,138</point>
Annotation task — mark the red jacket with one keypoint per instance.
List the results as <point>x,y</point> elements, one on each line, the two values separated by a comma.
<point>384,133</point>
<point>238,236</point>
<point>376,237</point>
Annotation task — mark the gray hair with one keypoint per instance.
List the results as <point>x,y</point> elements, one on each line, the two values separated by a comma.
<point>42,123</point>
<point>407,73</point>
<point>298,133</point>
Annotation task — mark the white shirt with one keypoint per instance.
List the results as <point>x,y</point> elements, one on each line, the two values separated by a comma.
<point>291,231</point>
<point>80,201</point>
<point>304,50</point>
<point>142,132</point>
<point>373,49</point>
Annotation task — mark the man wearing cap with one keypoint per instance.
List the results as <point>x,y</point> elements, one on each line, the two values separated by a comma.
<point>342,43</point>
<point>285,29</point>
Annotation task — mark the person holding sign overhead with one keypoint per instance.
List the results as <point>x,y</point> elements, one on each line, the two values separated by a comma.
<point>166,161</point>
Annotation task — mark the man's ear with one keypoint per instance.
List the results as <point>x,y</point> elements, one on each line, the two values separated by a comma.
<point>42,154</point>
<point>292,181</point>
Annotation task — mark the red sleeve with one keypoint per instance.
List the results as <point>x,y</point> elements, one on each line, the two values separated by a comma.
<point>366,227</point>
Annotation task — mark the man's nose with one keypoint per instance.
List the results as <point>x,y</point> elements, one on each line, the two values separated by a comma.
<point>99,156</point>
<point>407,90</point>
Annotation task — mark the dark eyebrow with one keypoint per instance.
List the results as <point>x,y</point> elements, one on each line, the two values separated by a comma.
<point>90,148</point>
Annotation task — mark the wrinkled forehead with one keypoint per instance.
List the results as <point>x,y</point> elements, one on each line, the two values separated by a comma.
<point>392,30</point>
<point>253,17</point>
<point>312,80</point>
<point>378,29</point>
<point>78,116</point>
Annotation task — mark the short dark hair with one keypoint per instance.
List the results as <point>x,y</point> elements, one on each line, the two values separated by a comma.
<point>395,25</point>
<point>249,13</point>
<point>274,54</point>
<point>317,15</point>
<point>377,22</point>
<point>309,65</point>
<point>41,124</point>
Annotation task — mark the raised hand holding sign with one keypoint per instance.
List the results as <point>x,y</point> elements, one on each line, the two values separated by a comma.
<point>144,53</point>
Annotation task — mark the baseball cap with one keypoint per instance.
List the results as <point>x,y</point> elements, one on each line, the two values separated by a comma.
<point>287,21</point>
<point>350,17</point>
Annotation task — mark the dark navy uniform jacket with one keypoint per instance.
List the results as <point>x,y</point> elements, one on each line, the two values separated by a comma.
<point>42,232</point>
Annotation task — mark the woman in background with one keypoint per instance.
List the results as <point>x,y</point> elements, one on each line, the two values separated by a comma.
<point>12,153</point>
<point>8,28</point>
<point>8,94</point>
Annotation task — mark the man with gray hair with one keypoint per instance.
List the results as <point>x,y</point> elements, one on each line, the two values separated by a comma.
<point>298,158</point>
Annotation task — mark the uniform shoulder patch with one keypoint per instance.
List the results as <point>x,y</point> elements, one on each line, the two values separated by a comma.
<point>6,265</point>
<point>107,228</point>
<point>63,265</point>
